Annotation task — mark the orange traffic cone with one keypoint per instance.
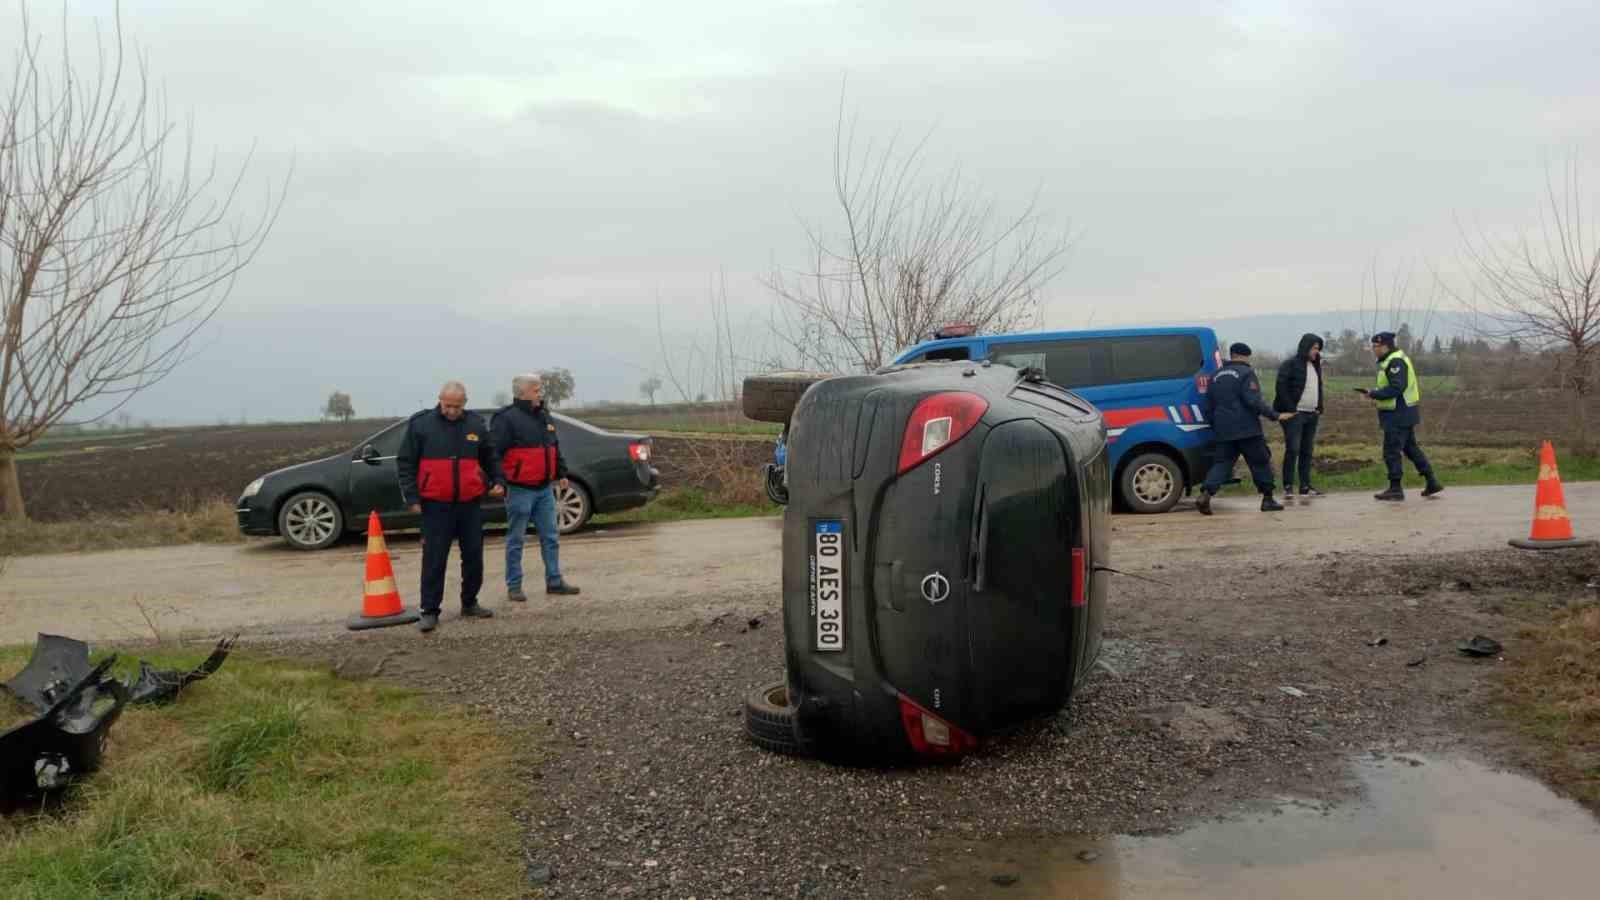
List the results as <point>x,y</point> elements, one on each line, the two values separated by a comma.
<point>1552,529</point>
<point>380,603</point>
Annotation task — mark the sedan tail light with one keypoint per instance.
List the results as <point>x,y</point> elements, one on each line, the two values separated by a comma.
<point>936,423</point>
<point>639,451</point>
<point>930,735</point>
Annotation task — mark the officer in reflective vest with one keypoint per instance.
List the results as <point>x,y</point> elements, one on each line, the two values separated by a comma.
<point>1398,397</point>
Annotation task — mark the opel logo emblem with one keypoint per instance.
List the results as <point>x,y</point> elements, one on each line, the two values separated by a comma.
<point>935,588</point>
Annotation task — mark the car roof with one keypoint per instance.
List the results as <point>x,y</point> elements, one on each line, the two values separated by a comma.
<point>1046,336</point>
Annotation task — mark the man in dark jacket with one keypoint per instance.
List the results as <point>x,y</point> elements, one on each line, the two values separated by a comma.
<point>525,437</point>
<point>1398,396</point>
<point>1234,407</point>
<point>447,465</point>
<point>1300,393</point>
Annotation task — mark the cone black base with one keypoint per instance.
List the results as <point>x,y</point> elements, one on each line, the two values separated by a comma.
<point>1529,544</point>
<point>403,617</point>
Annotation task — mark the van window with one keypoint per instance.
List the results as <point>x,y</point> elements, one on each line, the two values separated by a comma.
<point>948,353</point>
<point>1092,362</point>
<point>1155,358</point>
<point>1071,364</point>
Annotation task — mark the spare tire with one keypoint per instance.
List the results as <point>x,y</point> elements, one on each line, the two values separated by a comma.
<point>773,397</point>
<point>769,719</point>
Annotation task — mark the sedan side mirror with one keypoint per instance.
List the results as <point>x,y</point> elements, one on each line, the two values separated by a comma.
<point>369,455</point>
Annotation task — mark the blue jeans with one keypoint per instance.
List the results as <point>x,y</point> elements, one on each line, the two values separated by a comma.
<point>539,505</point>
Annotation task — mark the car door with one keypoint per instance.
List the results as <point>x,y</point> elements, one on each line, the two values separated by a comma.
<point>375,481</point>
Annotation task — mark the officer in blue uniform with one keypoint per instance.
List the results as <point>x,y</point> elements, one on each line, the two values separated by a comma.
<point>1235,409</point>
<point>1398,396</point>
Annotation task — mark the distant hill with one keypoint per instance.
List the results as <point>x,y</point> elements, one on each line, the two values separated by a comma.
<point>1279,333</point>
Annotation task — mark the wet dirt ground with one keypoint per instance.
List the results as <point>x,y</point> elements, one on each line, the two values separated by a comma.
<point>1277,661</point>
<point>1421,828</point>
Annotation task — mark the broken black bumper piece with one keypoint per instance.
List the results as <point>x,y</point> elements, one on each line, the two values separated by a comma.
<point>60,662</point>
<point>67,740</point>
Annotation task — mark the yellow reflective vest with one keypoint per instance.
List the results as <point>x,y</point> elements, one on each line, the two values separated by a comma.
<point>1413,391</point>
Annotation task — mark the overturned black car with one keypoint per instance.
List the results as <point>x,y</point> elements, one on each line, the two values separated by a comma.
<point>943,548</point>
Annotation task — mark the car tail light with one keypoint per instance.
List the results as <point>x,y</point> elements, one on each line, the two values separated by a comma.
<point>936,423</point>
<point>1080,590</point>
<point>639,452</point>
<point>931,735</point>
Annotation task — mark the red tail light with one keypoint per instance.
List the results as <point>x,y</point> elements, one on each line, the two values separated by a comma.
<point>1080,589</point>
<point>931,735</point>
<point>936,423</point>
<point>639,453</point>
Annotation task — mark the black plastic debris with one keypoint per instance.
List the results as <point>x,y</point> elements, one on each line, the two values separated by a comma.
<point>161,685</point>
<point>1480,646</point>
<point>57,664</point>
<point>60,662</point>
<point>42,755</point>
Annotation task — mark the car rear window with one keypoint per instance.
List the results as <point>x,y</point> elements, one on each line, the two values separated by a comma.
<point>1092,362</point>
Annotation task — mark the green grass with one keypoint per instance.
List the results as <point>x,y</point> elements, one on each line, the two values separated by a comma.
<point>689,503</point>
<point>272,779</point>
<point>1350,467</point>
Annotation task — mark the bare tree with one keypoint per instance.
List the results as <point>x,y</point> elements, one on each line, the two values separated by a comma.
<point>114,249</point>
<point>339,407</point>
<point>1543,291</point>
<point>558,386</point>
<point>649,387</point>
<point>909,254</point>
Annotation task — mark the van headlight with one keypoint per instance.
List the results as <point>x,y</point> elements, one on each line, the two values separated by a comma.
<point>252,489</point>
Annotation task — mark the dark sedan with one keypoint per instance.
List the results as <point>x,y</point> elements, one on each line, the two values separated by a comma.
<point>312,505</point>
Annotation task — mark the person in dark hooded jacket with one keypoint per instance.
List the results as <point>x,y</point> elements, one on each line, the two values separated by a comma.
<point>1300,393</point>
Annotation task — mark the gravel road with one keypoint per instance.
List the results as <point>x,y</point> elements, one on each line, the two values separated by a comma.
<point>1256,672</point>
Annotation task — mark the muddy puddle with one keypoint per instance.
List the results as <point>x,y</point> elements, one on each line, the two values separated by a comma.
<point>1422,828</point>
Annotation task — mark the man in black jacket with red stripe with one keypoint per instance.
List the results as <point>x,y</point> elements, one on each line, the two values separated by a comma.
<point>447,464</point>
<point>525,438</point>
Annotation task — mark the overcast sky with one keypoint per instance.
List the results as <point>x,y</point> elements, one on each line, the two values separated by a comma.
<point>489,187</point>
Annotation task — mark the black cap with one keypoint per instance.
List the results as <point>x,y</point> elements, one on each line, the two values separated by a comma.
<point>1385,338</point>
<point>1239,349</point>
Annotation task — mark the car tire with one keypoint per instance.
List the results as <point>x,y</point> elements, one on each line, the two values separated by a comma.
<point>1150,483</point>
<point>573,507</point>
<point>310,520</point>
<point>773,397</point>
<point>769,719</point>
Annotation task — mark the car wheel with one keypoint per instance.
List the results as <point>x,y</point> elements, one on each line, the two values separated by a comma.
<point>573,507</point>
<point>1151,483</point>
<point>773,397</point>
<point>310,520</point>
<point>769,719</point>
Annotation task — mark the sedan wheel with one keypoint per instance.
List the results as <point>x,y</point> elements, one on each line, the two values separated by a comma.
<point>310,521</point>
<point>572,507</point>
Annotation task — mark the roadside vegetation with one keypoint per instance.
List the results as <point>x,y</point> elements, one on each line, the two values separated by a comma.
<point>200,522</point>
<point>1551,693</point>
<point>275,779</point>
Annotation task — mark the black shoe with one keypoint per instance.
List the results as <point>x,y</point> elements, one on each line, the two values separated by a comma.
<point>561,588</point>
<point>1203,503</point>
<point>428,622</point>
<point>1433,487</point>
<point>1309,491</point>
<point>1392,495</point>
<point>477,611</point>
<point>515,595</point>
<point>1270,505</point>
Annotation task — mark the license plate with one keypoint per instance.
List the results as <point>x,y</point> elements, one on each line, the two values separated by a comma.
<point>827,584</point>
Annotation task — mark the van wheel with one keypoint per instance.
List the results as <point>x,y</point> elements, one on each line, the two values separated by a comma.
<point>1151,483</point>
<point>769,719</point>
